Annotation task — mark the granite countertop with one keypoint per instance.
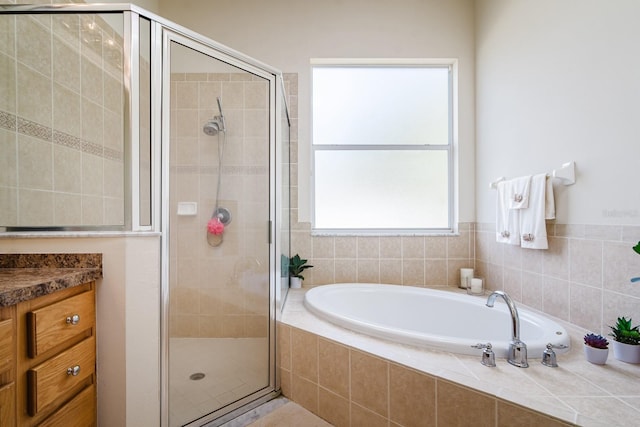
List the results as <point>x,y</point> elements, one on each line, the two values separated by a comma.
<point>27,276</point>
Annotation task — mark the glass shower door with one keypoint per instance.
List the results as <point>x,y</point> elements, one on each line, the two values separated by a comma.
<point>219,311</point>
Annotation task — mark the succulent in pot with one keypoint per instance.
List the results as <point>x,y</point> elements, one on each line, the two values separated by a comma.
<point>596,348</point>
<point>626,344</point>
<point>596,341</point>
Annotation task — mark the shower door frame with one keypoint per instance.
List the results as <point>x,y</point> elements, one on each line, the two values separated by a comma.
<point>168,35</point>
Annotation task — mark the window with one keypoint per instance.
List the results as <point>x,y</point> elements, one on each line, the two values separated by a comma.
<point>382,148</point>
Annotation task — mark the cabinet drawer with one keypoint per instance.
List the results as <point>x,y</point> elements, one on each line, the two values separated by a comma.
<point>7,405</point>
<point>49,326</point>
<point>6,345</point>
<point>59,376</point>
<point>79,412</point>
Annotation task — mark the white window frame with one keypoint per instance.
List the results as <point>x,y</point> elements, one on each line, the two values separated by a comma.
<point>450,148</point>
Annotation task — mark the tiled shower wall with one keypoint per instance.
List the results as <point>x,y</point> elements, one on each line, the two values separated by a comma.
<point>220,291</point>
<point>61,125</point>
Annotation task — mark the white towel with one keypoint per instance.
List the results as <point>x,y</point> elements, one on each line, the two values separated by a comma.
<point>507,224</point>
<point>533,229</point>
<point>519,189</point>
<point>550,203</point>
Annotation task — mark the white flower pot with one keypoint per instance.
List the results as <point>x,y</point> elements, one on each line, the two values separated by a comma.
<point>296,282</point>
<point>626,352</point>
<point>597,356</point>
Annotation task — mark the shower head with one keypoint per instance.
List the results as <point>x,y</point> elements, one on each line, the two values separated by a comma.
<point>217,124</point>
<point>212,127</point>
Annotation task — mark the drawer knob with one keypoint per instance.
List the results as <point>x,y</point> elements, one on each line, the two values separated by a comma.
<point>73,371</point>
<point>73,320</point>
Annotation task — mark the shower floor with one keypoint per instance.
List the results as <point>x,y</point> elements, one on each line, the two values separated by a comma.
<point>233,368</point>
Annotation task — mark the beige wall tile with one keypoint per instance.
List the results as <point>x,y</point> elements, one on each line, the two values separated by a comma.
<point>479,409</point>
<point>512,280</point>
<point>586,307</point>
<point>391,247</point>
<point>35,160</point>
<point>67,169</point>
<point>92,210</point>
<point>412,247</point>
<point>68,209</point>
<point>34,96</point>
<point>91,81</point>
<point>412,397</point>
<point>459,246</point>
<point>436,272</point>
<point>66,111</point>
<point>369,382</point>
<point>8,167</point>
<point>346,247</point>
<point>305,393</point>
<point>413,272</point>
<point>333,408</point>
<point>333,364</point>
<point>304,357</point>
<point>33,44</point>
<point>7,35</point>
<point>435,247</point>
<point>556,258</point>
<point>391,271</point>
<point>92,122</point>
<point>7,83</point>
<point>585,261</point>
<point>453,271</point>
<point>556,297</point>
<point>346,271</point>
<point>92,175</point>
<point>532,290</point>
<point>510,415</point>
<point>368,247</point>
<point>363,417</point>
<point>323,247</point>
<point>368,271</point>
<point>285,383</point>
<point>284,345</point>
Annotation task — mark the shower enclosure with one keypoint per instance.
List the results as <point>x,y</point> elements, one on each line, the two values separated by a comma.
<point>144,126</point>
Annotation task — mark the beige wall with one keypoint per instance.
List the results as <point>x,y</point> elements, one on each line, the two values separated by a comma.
<point>558,81</point>
<point>287,34</point>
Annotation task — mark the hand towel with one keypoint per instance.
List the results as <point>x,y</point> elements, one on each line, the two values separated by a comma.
<point>507,225</point>
<point>519,192</point>
<point>533,229</point>
<point>550,203</point>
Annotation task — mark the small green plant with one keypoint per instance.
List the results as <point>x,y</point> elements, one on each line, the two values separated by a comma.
<point>596,341</point>
<point>297,265</point>
<point>624,333</point>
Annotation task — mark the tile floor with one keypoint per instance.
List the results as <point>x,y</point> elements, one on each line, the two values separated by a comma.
<point>279,412</point>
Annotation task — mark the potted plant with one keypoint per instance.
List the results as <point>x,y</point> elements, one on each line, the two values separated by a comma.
<point>596,348</point>
<point>296,266</point>
<point>626,344</point>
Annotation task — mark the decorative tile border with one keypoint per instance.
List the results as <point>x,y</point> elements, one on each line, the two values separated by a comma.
<point>30,128</point>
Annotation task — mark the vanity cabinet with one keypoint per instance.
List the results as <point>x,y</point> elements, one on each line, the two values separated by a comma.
<point>56,362</point>
<point>7,364</point>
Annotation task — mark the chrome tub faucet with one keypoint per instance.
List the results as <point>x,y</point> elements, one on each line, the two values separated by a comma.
<point>517,349</point>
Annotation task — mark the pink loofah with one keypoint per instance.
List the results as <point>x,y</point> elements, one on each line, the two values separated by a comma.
<point>214,226</point>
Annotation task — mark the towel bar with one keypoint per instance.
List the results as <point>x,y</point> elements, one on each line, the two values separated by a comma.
<point>565,174</point>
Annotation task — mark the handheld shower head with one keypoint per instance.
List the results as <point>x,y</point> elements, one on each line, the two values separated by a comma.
<point>211,128</point>
<point>224,125</point>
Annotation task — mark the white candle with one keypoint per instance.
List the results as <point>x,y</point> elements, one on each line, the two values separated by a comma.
<point>466,274</point>
<point>476,285</point>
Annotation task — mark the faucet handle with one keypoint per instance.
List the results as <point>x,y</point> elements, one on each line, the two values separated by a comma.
<point>549,356</point>
<point>488,356</point>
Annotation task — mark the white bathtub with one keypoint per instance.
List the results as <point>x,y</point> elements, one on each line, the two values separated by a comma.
<point>431,318</point>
